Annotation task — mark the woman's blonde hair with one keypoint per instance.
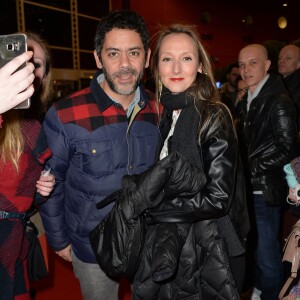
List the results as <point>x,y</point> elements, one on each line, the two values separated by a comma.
<point>204,91</point>
<point>11,138</point>
<point>207,92</point>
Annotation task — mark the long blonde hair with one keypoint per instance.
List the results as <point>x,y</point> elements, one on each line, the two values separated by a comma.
<point>204,91</point>
<point>11,138</point>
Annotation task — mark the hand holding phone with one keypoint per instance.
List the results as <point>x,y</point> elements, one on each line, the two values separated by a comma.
<point>46,172</point>
<point>12,46</point>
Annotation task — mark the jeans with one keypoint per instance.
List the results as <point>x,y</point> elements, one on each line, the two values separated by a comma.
<point>94,283</point>
<point>269,268</point>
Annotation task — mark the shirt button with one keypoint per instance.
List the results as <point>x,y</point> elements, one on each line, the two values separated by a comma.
<point>131,167</point>
<point>94,151</point>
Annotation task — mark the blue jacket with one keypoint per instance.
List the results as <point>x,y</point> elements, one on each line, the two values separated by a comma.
<point>93,146</point>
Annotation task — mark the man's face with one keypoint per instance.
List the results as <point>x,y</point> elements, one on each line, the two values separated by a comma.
<point>123,62</point>
<point>232,76</point>
<point>253,65</point>
<point>242,89</point>
<point>288,60</point>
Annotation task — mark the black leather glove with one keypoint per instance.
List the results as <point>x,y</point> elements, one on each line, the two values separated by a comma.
<point>185,179</point>
<point>171,176</point>
<point>145,190</point>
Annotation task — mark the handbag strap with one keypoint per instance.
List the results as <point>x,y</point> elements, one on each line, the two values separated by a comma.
<point>294,268</point>
<point>285,287</point>
<point>295,261</point>
<point>109,199</point>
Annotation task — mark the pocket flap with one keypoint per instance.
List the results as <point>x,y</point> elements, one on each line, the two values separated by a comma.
<point>93,148</point>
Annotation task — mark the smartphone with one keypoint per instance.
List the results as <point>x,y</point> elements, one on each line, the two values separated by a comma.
<point>13,45</point>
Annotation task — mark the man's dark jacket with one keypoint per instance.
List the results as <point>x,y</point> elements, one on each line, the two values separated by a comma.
<point>270,132</point>
<point>292,84</point>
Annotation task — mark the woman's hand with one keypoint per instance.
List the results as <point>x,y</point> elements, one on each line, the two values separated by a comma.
<point>45,185</point>
<point>16,87</point>
<point>293,196</point>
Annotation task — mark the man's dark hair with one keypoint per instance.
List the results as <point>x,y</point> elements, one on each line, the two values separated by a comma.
<point>231,66</point>
<point>124,19</point>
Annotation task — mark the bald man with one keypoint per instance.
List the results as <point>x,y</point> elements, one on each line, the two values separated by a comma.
<point>289,68</point>
<point>270,132</point>
<point>288,60</point>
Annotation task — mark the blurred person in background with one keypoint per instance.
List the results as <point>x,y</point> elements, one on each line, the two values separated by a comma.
<point>43,84</point>
<point>242,90</point>
<point>241,95</point>
<point>40,102</point>
<point>289,68</point>
<point>228,91</point>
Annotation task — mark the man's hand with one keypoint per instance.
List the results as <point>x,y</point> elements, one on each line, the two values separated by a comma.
<point>65,253</point>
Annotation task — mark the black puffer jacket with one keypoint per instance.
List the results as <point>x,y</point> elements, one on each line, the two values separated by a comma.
<point>167,260</point>
<point>270,131</point>
<point>208,225</point>
<point>184,254</point>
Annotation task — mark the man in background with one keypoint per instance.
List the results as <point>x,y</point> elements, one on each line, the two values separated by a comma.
<point>289,68</point>
<point>270,132</point>
<point>228,91</point>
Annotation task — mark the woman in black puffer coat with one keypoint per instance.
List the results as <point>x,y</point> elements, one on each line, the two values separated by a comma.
<point>189,211</point>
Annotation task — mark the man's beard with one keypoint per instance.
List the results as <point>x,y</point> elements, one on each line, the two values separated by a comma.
<point>121,72</point>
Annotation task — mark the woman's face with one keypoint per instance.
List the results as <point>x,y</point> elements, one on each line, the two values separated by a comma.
<point>178,62</point>
<point>39,61</point>
<point>242,89</point>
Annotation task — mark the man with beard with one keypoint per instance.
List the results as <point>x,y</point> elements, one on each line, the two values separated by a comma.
<point>96,136</point>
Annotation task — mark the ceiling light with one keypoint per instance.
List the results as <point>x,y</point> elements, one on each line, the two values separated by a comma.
<point>282,22</point>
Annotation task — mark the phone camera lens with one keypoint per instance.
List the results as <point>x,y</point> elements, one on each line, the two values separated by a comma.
<point>10,47</point>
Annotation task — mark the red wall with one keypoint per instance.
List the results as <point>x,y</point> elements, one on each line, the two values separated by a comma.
<point>226,32</point>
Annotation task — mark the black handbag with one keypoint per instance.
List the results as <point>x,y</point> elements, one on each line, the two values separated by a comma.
<point>37,268</point>
<point>117,243</point>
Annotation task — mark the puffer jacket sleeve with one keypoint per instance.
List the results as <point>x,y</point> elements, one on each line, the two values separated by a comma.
<point>52,211</point>
<point>219,151</point>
